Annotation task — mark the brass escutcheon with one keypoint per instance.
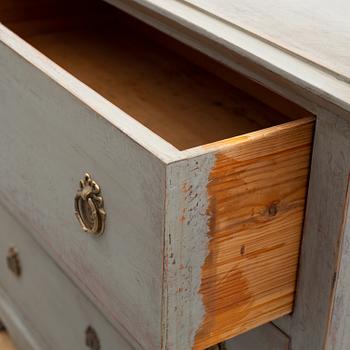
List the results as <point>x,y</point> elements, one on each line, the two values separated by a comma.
<point>91,339</point>
<point>88,205</point>
<point>13,262</point>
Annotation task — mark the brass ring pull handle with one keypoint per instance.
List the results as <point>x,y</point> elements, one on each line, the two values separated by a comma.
<point>88,206</point>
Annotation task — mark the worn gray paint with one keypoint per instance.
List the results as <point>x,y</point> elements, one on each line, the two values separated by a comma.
<point>186,243</point>
<point>309,324</point>
<point>306,83</point>
<point>122,271</point>
<point>91,100</point>
<point>338,332</point>
<point>316,30</point>
<point>48,140</point>
<point>20,334</point>
<point>54,309</point>
<point>339,336</point>
<point>310,85</point>
<point>226,41</point>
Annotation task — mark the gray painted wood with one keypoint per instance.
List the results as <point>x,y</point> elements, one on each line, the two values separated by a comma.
<point>49,138</point>
<point>87,98</point>
<point>266,337</point>
<point>20,334</point>
<point>54,309</point>
<point>303,82</point>
<point>267,62</point>
<point>122,271</point>
<point>338,333</point>
<point>186,243</point>
<point>316,30</point>
<point>319,263</point>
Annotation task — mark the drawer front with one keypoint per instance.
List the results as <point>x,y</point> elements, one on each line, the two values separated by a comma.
<point>47,301</point>
<point>234,254</point>
<point>48,139</point>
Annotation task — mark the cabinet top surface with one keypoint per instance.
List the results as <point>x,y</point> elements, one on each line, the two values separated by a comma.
<point>316,30</point>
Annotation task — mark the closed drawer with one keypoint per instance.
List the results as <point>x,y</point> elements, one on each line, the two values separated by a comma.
<point>203,184</point>
<point>56,313</point>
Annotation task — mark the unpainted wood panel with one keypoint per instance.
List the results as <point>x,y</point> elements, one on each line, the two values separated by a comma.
<point>257,190</point>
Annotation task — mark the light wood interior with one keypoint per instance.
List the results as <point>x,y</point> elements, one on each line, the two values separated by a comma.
<point>180,94</point>
<point>5,342</point>
<point>257,192</point>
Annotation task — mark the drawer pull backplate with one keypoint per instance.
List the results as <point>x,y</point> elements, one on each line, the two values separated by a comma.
<point>89,208</point>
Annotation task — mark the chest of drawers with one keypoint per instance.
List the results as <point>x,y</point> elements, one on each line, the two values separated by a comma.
<point>188,180</point>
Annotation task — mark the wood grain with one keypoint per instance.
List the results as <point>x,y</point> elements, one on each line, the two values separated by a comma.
<point>42,121</point>
<point>301,81</point>
<point>35,18</point>
<point>318,33</point>
<point>225,163</point>
<point>180,101</point>
<point>257,192</point>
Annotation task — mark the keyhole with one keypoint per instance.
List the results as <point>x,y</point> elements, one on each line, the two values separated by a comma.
<point>91,339</point>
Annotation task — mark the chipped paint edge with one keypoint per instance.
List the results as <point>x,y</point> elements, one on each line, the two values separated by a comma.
<point>186,246</point>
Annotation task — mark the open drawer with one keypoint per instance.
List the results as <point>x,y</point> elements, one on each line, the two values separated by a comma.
<point>203,173</point>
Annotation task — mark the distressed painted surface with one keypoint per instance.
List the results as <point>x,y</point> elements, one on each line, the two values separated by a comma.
<point>52,307</point>
<point>233,228</point>
<point>186,241</point>
<point>338,336</point>
<point>336,176</point>
<point>23,337</point>
<point>318,30</point>
<point>313,319</point>
<point>48,139</point>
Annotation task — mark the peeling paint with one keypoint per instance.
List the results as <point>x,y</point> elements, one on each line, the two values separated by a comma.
<point>186,233</point>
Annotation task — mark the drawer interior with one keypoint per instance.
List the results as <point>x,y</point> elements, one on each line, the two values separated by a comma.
<point>182,95</point>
